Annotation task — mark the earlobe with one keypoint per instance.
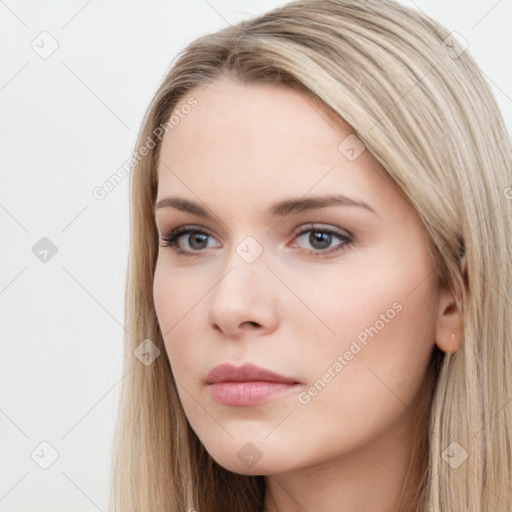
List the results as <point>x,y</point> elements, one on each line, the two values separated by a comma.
<point>449,344</point>
<point>449,332</point>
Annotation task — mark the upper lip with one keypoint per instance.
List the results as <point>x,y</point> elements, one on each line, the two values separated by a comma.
<point>247,372</point>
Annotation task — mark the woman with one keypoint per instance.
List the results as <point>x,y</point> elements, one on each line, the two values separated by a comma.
<point>320,271</point>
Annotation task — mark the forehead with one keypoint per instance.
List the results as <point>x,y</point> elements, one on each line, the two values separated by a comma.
<point>229,113</point>
<point>259,140</point>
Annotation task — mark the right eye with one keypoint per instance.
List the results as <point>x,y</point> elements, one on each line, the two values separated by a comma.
<point>195,237</point>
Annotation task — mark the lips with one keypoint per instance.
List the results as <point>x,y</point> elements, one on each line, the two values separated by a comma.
<point>246,373</point>
<point>247,385</point>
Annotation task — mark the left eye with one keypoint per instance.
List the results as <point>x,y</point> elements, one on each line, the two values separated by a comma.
<point>321,239</point>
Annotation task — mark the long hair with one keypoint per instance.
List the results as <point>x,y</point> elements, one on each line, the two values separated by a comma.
<point>415,97</point>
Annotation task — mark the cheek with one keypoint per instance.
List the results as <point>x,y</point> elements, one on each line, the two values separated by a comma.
<point>378,311</point>
<point>175,295</point>
<point>164,298</point>
<point>178,309</point>
<point>364,304</point>
<point>179,305</point>
<point>384,320</point>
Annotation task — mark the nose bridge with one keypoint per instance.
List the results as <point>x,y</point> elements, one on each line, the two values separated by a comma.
<point>244,268</point>
<point>242,293</point>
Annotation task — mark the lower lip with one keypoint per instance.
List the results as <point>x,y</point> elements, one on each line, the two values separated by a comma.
<point>248,393</point>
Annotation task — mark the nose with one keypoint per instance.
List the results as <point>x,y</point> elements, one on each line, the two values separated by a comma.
<point>243,300</point>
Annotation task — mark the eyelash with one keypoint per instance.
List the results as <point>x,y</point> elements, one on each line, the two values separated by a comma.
<point>171,239</point>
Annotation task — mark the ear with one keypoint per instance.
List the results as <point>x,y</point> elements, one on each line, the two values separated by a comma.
<point>449,330</point>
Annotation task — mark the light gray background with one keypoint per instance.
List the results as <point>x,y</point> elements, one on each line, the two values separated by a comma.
<point>67,123</point>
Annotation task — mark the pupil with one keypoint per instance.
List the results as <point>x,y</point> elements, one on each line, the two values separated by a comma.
<point>320,240</point>
<point>198,236</point>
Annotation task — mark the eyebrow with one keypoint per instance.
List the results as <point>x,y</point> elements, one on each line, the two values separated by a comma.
<point>279,209</point>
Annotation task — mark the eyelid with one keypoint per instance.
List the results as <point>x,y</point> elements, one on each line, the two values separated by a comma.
<point>312,226</point>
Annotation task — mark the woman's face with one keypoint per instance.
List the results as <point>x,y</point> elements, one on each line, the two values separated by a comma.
<point>339,298</point>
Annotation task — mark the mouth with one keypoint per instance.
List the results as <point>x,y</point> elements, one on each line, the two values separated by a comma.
<point>249,392</point>
<point>247,385</point>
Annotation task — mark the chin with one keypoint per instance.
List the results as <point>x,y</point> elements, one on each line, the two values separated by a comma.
<point>248,461</point>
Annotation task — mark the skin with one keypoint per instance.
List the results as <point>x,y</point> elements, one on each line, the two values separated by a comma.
<point>242,148</point>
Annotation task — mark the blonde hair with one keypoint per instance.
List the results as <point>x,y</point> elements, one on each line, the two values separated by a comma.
<point>421,106</point>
